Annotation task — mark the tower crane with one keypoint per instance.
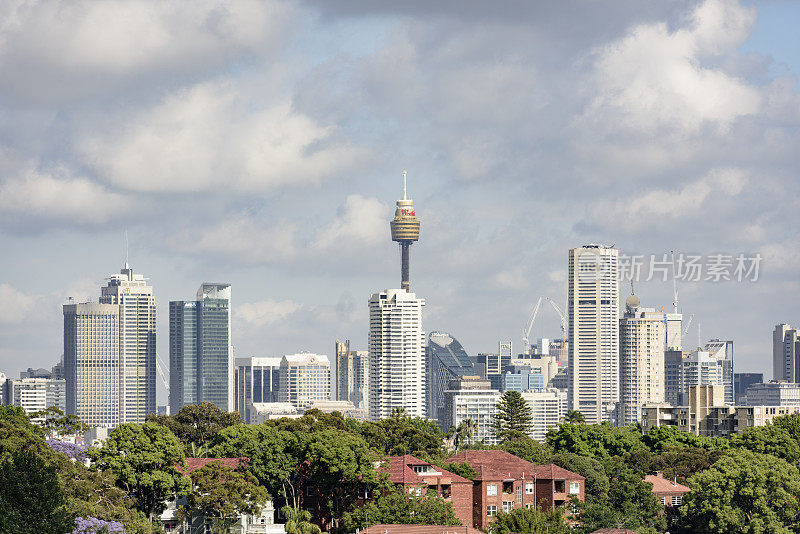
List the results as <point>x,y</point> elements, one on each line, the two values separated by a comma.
<point>161,373</point>
<point>562,316</point>
<point>686,330</point>
<point>527,330</point>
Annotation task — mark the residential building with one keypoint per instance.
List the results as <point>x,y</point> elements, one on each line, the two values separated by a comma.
<point>752,416</point>
<point>774,393</point>
<point>36,394</point>
<point>673,331</point>
<point>352,374</point>
<point>705,414</point>
<point>470,397</point>
<point>201,355</point>
<point>785,353</point>
<point>418,477</point>
<point>701,368</point>
<point>668,492</point>
<point>673,376</point>
<point>641,360</point>
<point>396,354</point>
<point>445,359</point>
<point>256,380</point>
<point>92,363</point>
<point>548,406</point>
<point>304,378</point>
<point>723,353</point>
<point>505,483</point>
<point>593,335</point>
<point>137,342</point>
<point>742,381</point>
<point>544,364</point>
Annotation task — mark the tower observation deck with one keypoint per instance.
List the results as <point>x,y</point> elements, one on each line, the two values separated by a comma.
<point>405,230</point>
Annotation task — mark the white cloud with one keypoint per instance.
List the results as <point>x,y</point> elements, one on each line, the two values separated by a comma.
<point>265,312</point>
<point>361,220</point>
<point>17,306</point>
<point>212,137</point>
<point>58,195</point>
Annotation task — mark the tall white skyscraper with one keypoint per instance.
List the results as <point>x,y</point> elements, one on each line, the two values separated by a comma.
<point>137,342</point>
<point>304,378</point>
<point>641,360</point>
<point>352,374</point>
<point>593,332</point>
<point>396,354</point>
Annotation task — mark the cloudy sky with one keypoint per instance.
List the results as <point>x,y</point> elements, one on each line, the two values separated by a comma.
<point>261,144</point>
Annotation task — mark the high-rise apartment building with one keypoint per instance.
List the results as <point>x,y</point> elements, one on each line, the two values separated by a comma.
<point>593,336</point>
<point>785,353</point>
<point>200,351</point>
<point>445,359</point>
<point>673,376</point>
<point>548,406</point>
<point>256,380</point>
<point>352,374</point>
<point>673,332</point>
<point>723,353</point>
<point>92,363</point>
<point>396,354</point>
<point>36,394</point>
<point>470,397</point>
<point>641,360</point>
<point>775,393</point>
<point>137,342</point>
<point>304,378</point>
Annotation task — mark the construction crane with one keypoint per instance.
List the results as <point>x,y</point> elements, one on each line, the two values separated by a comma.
<point>686,330</point>
<point>526,344</point>
<point>674,283</point>
<point>562,316</point>
<point>161,373</point>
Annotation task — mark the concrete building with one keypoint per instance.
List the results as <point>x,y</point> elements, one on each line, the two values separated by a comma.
<point>36,394</point>
<point>200,351</point>
<point>742,381</point>
<point>641,360</point>
<point>36,373</point>
<point>723,353</point>
<point>255,380</point>
<point>3,379</point>
<point>519,377</point>
<point>753,416</point>
<point>344,407</point>
<point>505,483</point>
<point>396,354</point>
<point>774,393</point>
<point>544,364</point>
<point>706,413</point>
<point>593,336</point>
<point>352,374</point>
<point>304,378</point>
<point>470,397</point>
<point>548,406</point>
<point>673,376</point>
<point>673,331</point>
<point>445,359</point>
<point>137,342</point>
<point>259,412</point>
<point>785,353</point>
<point>559,349</point>
<point>92,363</point>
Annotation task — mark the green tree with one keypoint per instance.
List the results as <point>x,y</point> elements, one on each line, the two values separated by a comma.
<point>143,459</point>
<point>197,423</point>
<point>400,508</point>
<point>530,521</point>
<point>770,439</point>
<point>462,469</point>
<point>525,447</point>
<point>664,437</point>
<point>743,492</point>
<point>597,483</point>
<point>55,422</point>
<point>403,434</point>
<point>223,493</point>
<point>513,416</point>
<point>31,500</point>
<point>465,431</point>
<point>601,441</point>
<point>298,521</point>
<point>574,417</point>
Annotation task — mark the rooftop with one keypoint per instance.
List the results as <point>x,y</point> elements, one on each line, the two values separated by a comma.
<point>663,485</point>
<point>401,471</point>
<point>192,464</point>
<point>500,465</point>
<point>419,529</point>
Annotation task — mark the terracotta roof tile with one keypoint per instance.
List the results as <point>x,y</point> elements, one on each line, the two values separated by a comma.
<point>663,485</point>
<point>501,465</point>
<point>196,463</point>
<point>400,471</point>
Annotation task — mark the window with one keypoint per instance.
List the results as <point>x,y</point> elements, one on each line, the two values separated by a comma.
<point>529,505</point>
<point>529,488</point>
<point>663,500</point>
<point>491,489</point>
<point>420,468</point>
<point>559,486</point>
<point>677,500</point>
<point>508,506</point>
<point>491,511</point>
<point>575,487</point>
<point>508,487</point>
<point>519,494</point>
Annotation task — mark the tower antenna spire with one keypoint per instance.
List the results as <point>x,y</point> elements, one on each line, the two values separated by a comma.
<point>126,249</point>
<point>405,197</point>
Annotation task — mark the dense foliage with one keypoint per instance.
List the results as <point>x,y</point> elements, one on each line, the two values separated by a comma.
<point>400,508</point>
<point>530,521</point>
<point>513,416</point>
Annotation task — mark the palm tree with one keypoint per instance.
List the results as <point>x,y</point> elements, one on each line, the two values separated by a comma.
<point>299,521</point>
<point>574,417</point>
<point>466,430</point>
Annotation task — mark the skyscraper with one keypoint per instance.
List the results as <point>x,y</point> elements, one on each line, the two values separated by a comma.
<point>92,363</point>
<point>593,332</point>
<point>785,354</point>
<point>36,394</point>
<point>396,339</point>
<point>352,374</point>
<point>201,356</point>
<point>137,343</point>
<point>723,352</point>
<point>304,378</point>
<point>445,359</point>
<point>641,359</point>
<point>255,380</point>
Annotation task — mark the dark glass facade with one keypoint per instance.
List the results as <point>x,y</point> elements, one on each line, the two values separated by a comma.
<point>445,359</point>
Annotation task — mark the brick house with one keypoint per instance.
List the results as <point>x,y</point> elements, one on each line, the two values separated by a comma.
<point>419,529</point>
<point>668,492</point>
<point>419,477</point>
<point>505,482</point>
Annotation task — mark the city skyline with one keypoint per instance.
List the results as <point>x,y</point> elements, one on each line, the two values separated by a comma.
<point>561,159</point>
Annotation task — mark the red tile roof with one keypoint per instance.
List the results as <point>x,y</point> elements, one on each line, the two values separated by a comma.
<point>663,486</point>
<point>419,529</point>
<point>614,531</point>
<point>196,463</point>
<point>501,465</point>
<point>400,471</point>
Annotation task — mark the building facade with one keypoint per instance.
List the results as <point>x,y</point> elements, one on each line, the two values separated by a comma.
<point>774,393</point>
<point>742,381</point>
<point>137,342</point>
<point>470,397</point>
<point>256,380</point>
<point>352,374</point>
<point>92,363</point>
<point>201,355</point>
<point>723,353</point>
<point>548,406</point>
<point>641,360</point>
<point>396,354</point>
<point>304,378</point>
<point>36,394</point>
<point>785,353</point>
<point>593,336</point>
<point>445,359</point>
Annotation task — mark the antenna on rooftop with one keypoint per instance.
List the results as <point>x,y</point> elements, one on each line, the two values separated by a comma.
<point>126,249</point>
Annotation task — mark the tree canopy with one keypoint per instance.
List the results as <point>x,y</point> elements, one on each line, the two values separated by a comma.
<point>398,507</point>
<point>530,521</point>
<point>513,416</point>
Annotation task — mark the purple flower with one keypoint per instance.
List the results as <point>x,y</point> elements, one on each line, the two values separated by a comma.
<point>93,525</point>
<point>72,450</point>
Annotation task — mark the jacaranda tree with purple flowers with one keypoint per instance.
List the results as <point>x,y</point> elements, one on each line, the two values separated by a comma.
<point>93,525</point>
